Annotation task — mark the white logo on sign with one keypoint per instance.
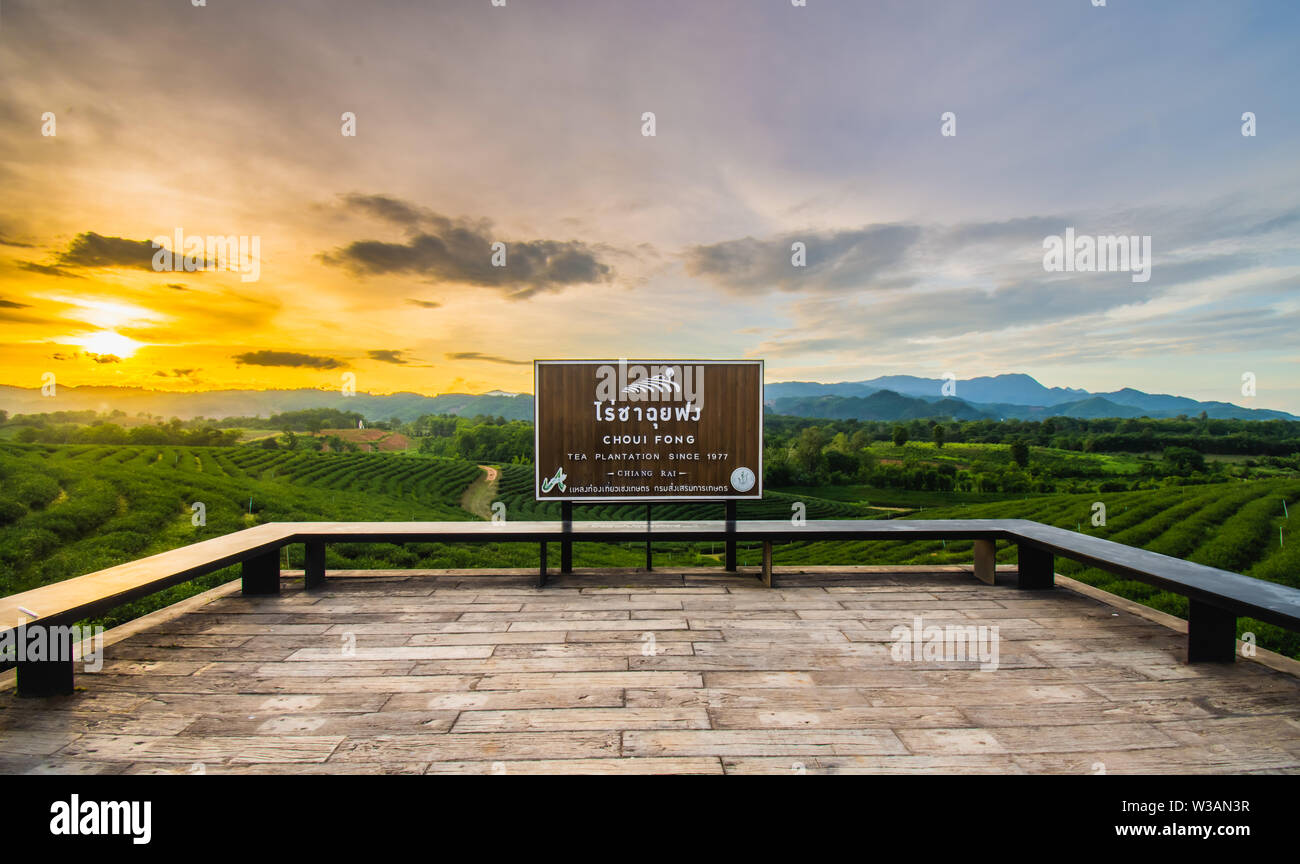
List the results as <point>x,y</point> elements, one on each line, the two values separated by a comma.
<point>742,479</point>
<point>655,384</point>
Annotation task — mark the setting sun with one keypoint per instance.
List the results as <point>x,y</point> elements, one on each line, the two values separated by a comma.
<point>109,342</point>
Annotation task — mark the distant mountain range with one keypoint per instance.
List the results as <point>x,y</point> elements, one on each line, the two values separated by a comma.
<point>893,397</point>
<point>261,403</point>
<point>1016,396</point>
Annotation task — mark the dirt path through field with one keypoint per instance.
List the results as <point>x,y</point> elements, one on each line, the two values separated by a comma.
<point>480,494</point>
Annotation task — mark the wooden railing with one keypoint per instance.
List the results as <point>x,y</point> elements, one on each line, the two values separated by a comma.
<point>1216,597</point>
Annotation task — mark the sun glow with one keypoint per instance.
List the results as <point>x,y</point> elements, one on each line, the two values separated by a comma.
<point>109,342</point>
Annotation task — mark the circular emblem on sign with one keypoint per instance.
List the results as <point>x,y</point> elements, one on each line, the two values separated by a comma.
<point>742,479</point>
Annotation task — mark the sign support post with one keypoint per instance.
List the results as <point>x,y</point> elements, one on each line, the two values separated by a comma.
<point>566,546</point>
<point>647,430</point>
<point>731,535</point>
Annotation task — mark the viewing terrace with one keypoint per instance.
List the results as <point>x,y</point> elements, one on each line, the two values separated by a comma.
<point>674,670</point>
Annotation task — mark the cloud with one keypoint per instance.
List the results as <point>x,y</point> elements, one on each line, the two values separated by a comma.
<point>486,358</point>
<point>47,270</point>
<point>12,304</point>
<point>389,209</point>
<point>427,304</point>
<point>1283,220</point>
<point>7,229</point>
<point>89,249</point>
<point>189,313</point>
<point>385,355</point>
<point>835,260</point>
<point>288,358</point>
<point>176,287</point>
<point>461,251</point>
<point>104,358</point>
<point>1023,229</point>
<point>12,312</point>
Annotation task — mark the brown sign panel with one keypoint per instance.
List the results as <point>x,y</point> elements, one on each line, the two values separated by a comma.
<point>648,430</point>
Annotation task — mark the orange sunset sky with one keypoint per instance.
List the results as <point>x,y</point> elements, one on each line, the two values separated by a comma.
<point>524,125</point>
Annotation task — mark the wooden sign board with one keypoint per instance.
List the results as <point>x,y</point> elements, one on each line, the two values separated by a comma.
<point>648,430</point>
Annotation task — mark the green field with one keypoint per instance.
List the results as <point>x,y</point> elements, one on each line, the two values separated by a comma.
<point>66,510</point>
<point>1241,526</point>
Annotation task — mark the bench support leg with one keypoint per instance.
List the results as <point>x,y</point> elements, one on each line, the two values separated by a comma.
<point>1211,634</point>
<point>1035,566</point>
<point>261,574</point>
<point>768,579</point>
<point>541,570</point>
<point>45,678</point>
<point>986,561</point>
<point>314,566</point>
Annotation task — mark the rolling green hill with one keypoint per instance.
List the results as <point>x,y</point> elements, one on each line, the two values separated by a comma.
<point>66,510</point>
<point>1240,526</point>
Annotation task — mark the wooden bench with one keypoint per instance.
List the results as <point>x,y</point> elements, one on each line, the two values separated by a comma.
<point>1217,597</point>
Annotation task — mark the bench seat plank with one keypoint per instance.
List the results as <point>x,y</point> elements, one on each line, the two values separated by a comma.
<point>81,597</point>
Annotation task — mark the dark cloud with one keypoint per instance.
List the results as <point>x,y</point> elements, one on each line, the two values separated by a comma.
<point>461,251</point>
<point>836,260</point>
<point>11,304</point>
<point>389,209</point>
<point>385,355</point>
<point>5,241</point>
<point>89,249</point>
<point>47,270</point>
<point>486,358</point>
<point>176,287</point>
<point>427,304</point>
<point>288,358</point>
<point>176,373</point>
<point>104,358</point>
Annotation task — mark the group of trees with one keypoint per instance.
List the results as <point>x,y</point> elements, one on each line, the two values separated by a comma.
<point>806,452</point>
<point>1110,435</point>
<point>290,440</point>
<point>798,451</point>
<point>479,439</point>
<point>815,457</point>
<point>174,432</point>
<point>311,420</point>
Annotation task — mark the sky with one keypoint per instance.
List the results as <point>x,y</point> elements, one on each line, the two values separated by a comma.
<point>525,125</point>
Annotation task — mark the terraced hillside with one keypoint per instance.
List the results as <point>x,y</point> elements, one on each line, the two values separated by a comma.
<point>1240,526</point>
<point>66,510</point>
<point>516,492</point>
